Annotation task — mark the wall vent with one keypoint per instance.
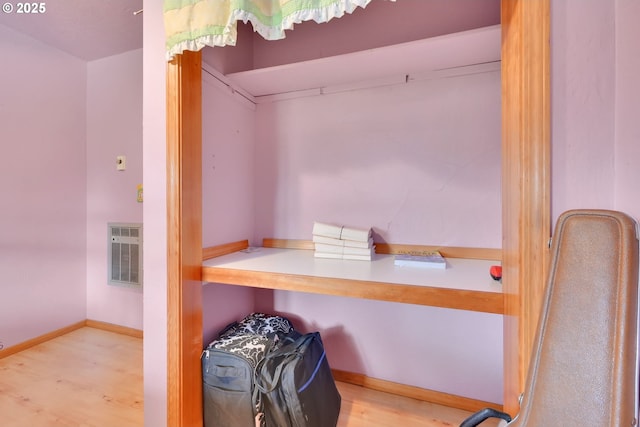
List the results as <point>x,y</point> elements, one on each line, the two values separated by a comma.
<point>125,254</point>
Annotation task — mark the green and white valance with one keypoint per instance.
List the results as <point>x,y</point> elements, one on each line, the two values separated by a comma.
<point>194,24</point>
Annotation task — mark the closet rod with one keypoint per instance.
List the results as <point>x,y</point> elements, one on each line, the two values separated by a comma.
<point>232,88</point>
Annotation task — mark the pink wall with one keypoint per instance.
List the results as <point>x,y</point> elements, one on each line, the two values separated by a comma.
<point>418,162</point>
<point>114,127</point>
<point>595,100</point>
<point>583,105</point>
<point>452,351</point>
<point>627,106</point>
<point>155,216</point>
<point>43,187</point>
<point>227,164</point>
<point>64,121</point>
<point>228,189</point>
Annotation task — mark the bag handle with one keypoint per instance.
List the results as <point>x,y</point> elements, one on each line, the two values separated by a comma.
<point>272,382</point>
<point>315,372</point>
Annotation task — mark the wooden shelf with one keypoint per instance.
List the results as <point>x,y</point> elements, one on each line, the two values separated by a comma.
<point>464,285</point>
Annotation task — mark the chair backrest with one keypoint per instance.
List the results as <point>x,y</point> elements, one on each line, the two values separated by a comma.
<point>584,366</point>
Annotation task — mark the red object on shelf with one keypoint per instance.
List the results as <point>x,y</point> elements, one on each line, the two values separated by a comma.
<point>496,272</point>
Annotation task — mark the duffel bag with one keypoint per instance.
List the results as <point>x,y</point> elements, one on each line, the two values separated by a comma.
<point>295,386</point>
<point>228,366</point>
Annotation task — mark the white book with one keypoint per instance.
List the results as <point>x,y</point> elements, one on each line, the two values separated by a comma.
<point>431,260</point>
<point>337,242</point>
<point>329,249</point>
<point>327,255</point>
<point>345,250</point>
<point>341,232</point>
<point>341,256</point>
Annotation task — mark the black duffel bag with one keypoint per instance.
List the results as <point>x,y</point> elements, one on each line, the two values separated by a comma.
<point>229,364</point>
<point>294,385</point>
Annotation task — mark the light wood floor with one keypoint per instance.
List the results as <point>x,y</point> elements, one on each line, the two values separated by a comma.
<point>92,377</point>
<point>88,377</point>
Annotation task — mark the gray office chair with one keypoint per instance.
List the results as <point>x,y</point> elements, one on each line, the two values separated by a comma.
<point>584,366</point>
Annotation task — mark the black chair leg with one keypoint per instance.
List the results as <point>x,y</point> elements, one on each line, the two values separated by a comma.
<point>475,419</point>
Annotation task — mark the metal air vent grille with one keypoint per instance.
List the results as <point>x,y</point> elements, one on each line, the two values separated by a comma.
<point>125,254</point>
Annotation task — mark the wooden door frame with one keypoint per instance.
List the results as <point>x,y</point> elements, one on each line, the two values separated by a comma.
<point>526,183</point>
<point>526,225</point>
<point>184,240</point>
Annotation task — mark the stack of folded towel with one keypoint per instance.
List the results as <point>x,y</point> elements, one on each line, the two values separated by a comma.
<point>340,242</point>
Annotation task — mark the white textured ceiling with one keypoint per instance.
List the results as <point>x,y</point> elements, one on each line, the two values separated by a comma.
<point>88,29</point>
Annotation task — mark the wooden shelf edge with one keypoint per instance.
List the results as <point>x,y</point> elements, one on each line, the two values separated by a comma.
<point>446,251</point>
<point>288,244</point>
<point>394,248</point>
<point>425,395</point>
<point>486,302</point>
<point>227,248</point>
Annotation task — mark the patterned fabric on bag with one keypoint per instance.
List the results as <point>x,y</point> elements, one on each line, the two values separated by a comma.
<point>260,324</point>
<point>228,366</point>
<point>250,346</point>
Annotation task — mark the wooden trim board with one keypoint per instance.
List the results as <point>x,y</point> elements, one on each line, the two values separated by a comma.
<point>184,240</point>
<point>105,326</point>
<point>5,352</point>
<point>288,244</point>
<point>437,397</point>
<point>8,351</point>
<point>446,251</point>
<point>227,248</point>
<point>395,248</point>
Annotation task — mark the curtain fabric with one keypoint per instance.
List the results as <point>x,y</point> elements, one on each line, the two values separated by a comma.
<point>194,24</point>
